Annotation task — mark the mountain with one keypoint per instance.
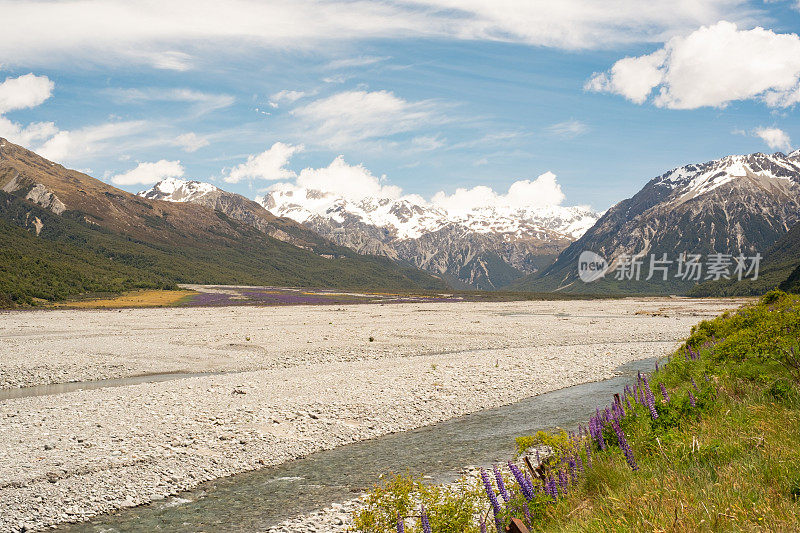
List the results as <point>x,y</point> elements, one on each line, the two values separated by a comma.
<point>780,268</point>
<point>63,233</point>
<point>484,248</point>
<point>739,204</point>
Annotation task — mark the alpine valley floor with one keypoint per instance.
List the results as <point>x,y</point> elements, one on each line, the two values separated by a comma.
<point>286,382</point>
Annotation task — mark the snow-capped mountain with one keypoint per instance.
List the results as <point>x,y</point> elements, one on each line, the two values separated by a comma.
<point>736,204</point>
<point>485,248</point>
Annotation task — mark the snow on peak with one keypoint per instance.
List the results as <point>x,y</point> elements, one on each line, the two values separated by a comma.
<point>178,190</point>
<point>411,217</point>
<point>697,179</point>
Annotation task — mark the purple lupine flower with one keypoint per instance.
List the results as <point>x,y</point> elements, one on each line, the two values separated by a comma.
<point>573,468</point>
<point>579,462</point>
<point>628,403</point>
<point>552,487</point>
<point>664,392</point>
<point>401,527</point>
<point>691,399</point>
<point>563,481</point>
<point>483,525</point>
<point>524,484</point>
<point>527,512</point>
<point>588,454</point>
<point>626,449</point>
<point>423,520</point>
<point>656,366</point>
<point>651,401</point>
<point>487,484</point>
<point>694,384</point>
<point>498,524</point>
<point>501,486</point>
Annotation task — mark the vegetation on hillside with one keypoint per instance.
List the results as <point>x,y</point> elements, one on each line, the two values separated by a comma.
<point>71,256</point>
<point>710,442</point>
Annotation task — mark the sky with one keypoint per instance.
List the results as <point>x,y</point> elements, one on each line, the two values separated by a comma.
<point>455,103</point>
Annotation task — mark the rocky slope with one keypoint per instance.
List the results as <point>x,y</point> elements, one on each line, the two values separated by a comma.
<point>736,204</point>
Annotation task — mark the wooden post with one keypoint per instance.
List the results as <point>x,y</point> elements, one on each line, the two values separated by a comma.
<point>516,526</point>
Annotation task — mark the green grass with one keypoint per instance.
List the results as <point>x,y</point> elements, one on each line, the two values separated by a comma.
<point>730,463</point>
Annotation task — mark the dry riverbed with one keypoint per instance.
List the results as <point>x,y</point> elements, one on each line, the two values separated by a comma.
<point>296,380</point>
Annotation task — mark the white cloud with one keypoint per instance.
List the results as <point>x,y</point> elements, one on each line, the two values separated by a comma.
<point>427,142</point>
<point>74,145</point>
<point>181,34</point>
<point>352,182</point>
<point>775,138</point>
<point>712,66</point>
<point>268,165</point>
<point>541,192</point>
<point>26,135</point>
<point>352,62</point>
<point>191,142</point>
<point>147,173</point>
<point>202,102</point>
<point>568,129</point>
<point>353,116</point>
<point>24,92</point>
<point>288,96</point>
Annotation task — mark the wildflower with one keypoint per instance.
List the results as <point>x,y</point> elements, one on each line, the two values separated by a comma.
<point>691,399</point>
<point>552,489</point>
<point>563,481</point>
<point>650,399</point>
<point>524,484</point>
<point>483,525</point>
<point>573,468</point>
<point>423,520</point>
<point>588,454</point>
<point>694,384</point>
<point>401,527</point>
<point>623,444</point>
<point>527,512</point>
<point>579,462</point>
<point>487,484</point>
<point>628,403</point>
<point>664,392</point>
<point>501,486</point>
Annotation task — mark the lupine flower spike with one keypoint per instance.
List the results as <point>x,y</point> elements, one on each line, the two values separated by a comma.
<point>623,444</point>
<point>524,484</point>
<point>423,520</point>
<point>664,392</point>
<point>487,484</point>
<point>501,486</point>
<point>691,399</point>
<point>401,527</point>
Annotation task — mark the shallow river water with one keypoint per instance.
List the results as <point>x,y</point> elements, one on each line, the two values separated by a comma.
<point>254,501</point>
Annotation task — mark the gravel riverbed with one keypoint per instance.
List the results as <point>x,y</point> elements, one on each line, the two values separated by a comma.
<point>297,380</point>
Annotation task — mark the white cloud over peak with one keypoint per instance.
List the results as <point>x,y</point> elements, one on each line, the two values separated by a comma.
<point>181,34</point>
<point>268,165</point>
<point>24,92</point>
<point>541,192</point>
<point>776,138</point>
<point>352,182</point>
<point>712,66</point>
<point>147,173</point>
<point>353,116</point>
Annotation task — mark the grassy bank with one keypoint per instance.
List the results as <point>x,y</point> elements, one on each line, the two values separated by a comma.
<point>710,442</point>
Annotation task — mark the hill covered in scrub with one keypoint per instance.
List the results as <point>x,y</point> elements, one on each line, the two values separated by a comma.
<point>708,442</point>
<point>63,233</point>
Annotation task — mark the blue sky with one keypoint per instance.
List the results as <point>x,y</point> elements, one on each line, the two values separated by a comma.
<point>426,96</point>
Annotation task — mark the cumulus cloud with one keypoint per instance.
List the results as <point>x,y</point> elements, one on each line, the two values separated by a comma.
<point>24,92</point>
<point>147,173</point>
<point>353,116</point>
<point>568,129</point>
<point>352,182</point>
<point>776,138</point>
<point>26,135</point>
<point>268,165</point>
<point>191,142</point>
<point>171,35</point>
<point>542,192</point>
<point>712,66</point>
